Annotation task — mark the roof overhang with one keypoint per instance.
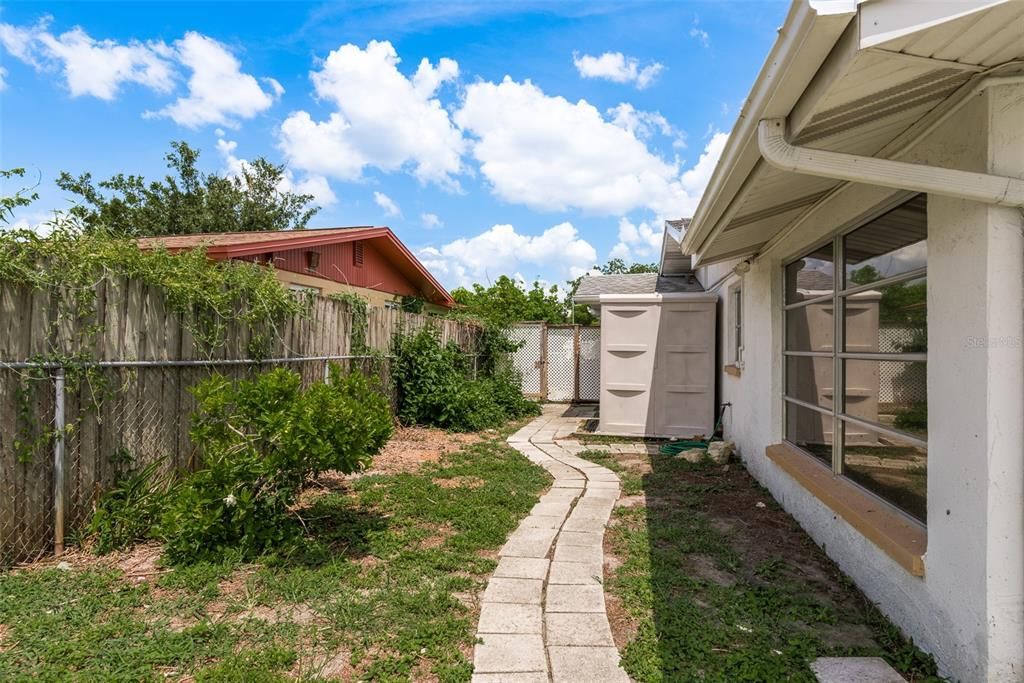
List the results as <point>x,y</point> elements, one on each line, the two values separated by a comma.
<point>382,239</point>
<point>857,78</point>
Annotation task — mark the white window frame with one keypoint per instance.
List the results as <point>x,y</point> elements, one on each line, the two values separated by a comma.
<point>735,318</point>
<point>838,296</point>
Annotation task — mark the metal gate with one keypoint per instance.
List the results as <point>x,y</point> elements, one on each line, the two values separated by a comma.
<point>558,362</point>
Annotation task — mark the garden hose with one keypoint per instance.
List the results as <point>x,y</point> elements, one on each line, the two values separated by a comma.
<point>677,447</point>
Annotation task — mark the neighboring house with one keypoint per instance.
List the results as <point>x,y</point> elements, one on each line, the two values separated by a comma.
<point>863,234</point>
<point>369,261</point>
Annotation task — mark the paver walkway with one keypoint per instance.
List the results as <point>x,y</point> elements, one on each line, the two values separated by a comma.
<point>543,616</point>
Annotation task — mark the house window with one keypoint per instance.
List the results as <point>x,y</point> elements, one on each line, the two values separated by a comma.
<point>736,326</point>
<point>312,260</point>
<point>856,343</point>
<point>357,253</point>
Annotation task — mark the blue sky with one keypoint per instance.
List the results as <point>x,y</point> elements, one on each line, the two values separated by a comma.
<point>537,138</point>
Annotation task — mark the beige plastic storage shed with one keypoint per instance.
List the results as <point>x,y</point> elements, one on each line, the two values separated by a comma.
<point>657,354</point>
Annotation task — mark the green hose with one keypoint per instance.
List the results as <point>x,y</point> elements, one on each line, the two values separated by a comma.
<point>677,447</point>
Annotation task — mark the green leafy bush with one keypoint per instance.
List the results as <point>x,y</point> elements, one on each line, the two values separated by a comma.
<point>435,384</point>
<point>261,441</point>
<point>127,513</point>
<point>914,418</point>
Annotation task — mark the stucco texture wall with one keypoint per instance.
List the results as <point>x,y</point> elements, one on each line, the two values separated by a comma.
<point>968,608</point>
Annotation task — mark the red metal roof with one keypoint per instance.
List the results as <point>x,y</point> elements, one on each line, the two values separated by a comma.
<point>225,245</point>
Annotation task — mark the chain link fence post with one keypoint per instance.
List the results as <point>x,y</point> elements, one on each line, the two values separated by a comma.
<point>58,462</point>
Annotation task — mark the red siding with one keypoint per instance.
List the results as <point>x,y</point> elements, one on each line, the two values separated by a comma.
<point>336,263</point>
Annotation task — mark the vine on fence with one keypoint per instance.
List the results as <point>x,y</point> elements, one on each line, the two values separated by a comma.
<point>359,314</point>
<point>68,265</point>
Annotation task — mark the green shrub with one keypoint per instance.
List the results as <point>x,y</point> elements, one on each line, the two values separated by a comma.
<point>435,384</point>
<point>913,419</point>
<point>127,513</point>
<point>261,440</point>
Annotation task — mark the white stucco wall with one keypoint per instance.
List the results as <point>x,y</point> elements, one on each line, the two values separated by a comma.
<point>968,608</point>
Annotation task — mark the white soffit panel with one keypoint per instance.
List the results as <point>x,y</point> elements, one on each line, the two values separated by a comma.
<point>883,21</point>
<point>872,97</point>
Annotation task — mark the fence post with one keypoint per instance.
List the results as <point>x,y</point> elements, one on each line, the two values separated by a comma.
<point>58,463</point>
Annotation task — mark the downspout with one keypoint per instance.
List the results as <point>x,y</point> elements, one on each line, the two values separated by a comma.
<point>978,187</point>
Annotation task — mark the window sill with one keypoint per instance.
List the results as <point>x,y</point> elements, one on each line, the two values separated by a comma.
<point>902,540</point>
<point>732,369</point>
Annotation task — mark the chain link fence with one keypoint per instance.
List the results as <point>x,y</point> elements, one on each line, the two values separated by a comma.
<point>67,434</point>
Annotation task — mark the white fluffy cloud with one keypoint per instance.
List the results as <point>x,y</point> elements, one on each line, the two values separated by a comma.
<point>617,67</point>
<point>638,242</point>
<point>387,203</point>
<point>645,124</point>
<point>218,91</point>
<point>383,119</point>
<point>559,251</point>
<point>552,154</point>
<point>315,185</point>
<point>91,67</point>
<point>431,220</point>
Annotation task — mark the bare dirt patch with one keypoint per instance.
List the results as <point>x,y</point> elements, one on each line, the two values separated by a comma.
<point>460,482</point>
<point>703,567</point>
<point>410,447</point>
<point>331,666</point>
<point>437,536</point>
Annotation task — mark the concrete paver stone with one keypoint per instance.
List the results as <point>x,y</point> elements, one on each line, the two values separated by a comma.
<point>545,602</point>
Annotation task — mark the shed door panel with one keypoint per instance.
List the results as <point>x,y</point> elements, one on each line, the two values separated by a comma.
<point>628,333</point>
<point>684,381</point>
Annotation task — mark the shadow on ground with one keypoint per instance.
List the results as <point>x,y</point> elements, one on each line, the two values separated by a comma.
<point>710,580</point>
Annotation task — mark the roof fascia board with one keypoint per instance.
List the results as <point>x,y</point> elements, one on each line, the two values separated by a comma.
<point>420,268</point>
<point>805,40</point>
<point>656,298</point>
<point>290,243</point>
<point>886,20</point>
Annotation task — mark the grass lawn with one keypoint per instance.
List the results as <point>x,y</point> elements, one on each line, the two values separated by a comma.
<point>384,589</point>
<point>708,579</point>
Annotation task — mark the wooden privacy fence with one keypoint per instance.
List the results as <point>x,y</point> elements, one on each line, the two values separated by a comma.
<point>69,429</point>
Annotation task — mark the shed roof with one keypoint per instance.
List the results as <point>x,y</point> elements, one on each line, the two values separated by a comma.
<point>593,286</point>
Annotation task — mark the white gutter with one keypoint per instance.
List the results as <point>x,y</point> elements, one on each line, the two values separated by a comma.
<point>805,40</point>
<point>808,35</point>
<point>979,187</point>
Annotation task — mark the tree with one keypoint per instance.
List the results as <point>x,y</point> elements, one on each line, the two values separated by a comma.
<point>617,266</point>
<point>581,313</point>
<point>188,200</point>
<point>506,302</point>
<point>22,197</point>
